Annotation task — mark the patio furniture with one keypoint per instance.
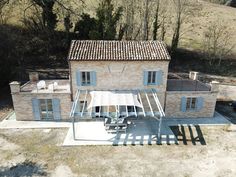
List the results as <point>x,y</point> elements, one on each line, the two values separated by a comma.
<point>114,126</point>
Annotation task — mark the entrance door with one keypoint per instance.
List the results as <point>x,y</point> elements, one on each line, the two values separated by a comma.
<point>46,109</point>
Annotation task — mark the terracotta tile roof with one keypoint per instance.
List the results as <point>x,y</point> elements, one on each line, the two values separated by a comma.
<point>118,51</point>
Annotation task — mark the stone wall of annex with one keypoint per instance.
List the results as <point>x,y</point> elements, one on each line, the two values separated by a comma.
<point>173,104</point>
<point>23,104</point>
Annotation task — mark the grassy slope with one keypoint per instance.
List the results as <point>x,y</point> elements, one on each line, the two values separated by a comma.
<point>209,13</point>
<point>193,30</point>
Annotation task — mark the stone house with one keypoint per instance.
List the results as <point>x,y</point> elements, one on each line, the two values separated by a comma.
<point>108,78</point>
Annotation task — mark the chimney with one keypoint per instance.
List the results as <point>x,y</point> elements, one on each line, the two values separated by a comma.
<point>33,76</point>
<point>193,75</point>
<point>15,87</point>
<point>214,86</point>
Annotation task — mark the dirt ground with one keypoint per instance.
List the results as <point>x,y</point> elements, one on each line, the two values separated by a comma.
<point>5,102</point>
<point>38,153</point>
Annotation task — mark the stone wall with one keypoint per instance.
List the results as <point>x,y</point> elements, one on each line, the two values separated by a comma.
<point>173,104</point>
<point>120,75</point>
<point>23,104</point>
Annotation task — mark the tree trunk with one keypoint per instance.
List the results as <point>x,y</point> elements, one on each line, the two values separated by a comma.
<point>163,30</point>
<point>145,21</point>
<point>155,24</point>
<point>129,20</point>
<point>176,35</point>
<point>175,39</point>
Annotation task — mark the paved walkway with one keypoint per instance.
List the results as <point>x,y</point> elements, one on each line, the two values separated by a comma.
<point>218,119</point>
<point>12,123</point>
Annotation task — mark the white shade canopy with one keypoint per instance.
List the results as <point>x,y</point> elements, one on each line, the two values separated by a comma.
<point>108,98</point>
<point>118,98</point>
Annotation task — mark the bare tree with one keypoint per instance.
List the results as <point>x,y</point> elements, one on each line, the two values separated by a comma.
<point>163,26</point>
<point>145,20</point>
<point>183,10</point>
<point>164,16</point>
<point>3,14</point>
<point>217,43</point>
<point>179,7</point>
<point>129,18</point>
<point>3,3</point>
<point>156,24</point>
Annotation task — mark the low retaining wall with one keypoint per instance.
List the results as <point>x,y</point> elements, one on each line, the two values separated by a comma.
<point>227,93</point>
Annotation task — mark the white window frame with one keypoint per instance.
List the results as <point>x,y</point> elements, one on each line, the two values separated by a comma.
<point>47,111</point>
<point>153,78</point>
<point>87,81</point>
<point>189,104</point>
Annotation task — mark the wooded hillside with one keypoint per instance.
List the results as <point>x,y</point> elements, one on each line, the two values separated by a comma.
<point>37,33</point>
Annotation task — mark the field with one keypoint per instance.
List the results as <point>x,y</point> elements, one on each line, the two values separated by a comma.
<point>38,153</point>
<point>202,15</point>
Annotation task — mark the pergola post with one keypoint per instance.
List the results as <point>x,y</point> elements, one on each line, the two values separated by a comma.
<point>126,107</point>
<point>158,104</point>
<point>159,130</point>
<point>149,103</point>
<point>118,111</point>
<point>108,107</point>
<point>117,117</point>
<point>84,103</point>
<point>162,114</point>
<point>135,111</point>
<point>141,103</point>
<point>73,126</point>
<point>92,106</point>
<point>73,112</point>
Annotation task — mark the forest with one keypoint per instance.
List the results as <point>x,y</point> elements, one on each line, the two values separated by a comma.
<point>36,34</point>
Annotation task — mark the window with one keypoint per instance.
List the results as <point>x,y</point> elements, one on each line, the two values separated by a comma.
<point>151,77</point>
<point>85,78</point>
<point>97,109</point>
<point>46,109</point>
<point>191,104</point>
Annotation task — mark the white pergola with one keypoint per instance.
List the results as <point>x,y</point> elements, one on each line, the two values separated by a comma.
<point>117,98</point>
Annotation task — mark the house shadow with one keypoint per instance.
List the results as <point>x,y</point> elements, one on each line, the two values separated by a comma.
<point>190,134</point>
<point>26,168</point>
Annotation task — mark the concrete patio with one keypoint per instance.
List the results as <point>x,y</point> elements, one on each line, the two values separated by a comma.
<point>141,132</point>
